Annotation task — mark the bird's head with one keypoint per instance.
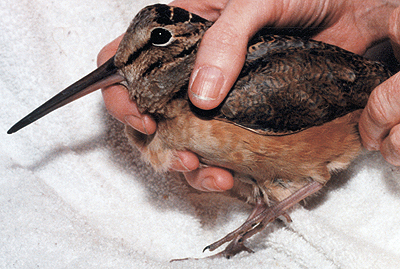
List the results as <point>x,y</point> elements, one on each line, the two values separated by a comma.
<point>153,61</point>
<point>157,54</point>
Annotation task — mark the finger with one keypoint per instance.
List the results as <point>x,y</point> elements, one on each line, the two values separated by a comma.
<point>187,161</point>
<point>108,51</point>
<point>117,100</point>
<point>381,114</point>
<point>390,147</point>
<point>222,52</point>
<point>120,106</point>
<point>210,179</point>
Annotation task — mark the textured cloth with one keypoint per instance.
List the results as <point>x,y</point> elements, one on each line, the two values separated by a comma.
<point>74,194</point>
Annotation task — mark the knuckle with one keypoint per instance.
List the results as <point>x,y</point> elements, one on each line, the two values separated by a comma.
<point>384,103</point>
<point>377,106</point>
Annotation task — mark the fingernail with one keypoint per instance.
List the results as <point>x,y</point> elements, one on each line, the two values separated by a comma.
<point>181,167</point>
<point>136,123</point>
<point>208,183</point>
<point>207,83</point>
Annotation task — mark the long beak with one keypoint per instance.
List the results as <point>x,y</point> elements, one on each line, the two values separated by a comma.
<point>103,76</point>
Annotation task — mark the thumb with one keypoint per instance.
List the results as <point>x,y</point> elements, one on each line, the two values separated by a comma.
<point>222,53</point>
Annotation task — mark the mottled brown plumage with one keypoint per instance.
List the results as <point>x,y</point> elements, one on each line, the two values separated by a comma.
<point>288,122</point>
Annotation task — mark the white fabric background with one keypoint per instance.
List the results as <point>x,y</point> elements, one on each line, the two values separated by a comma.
<point>74,194</point>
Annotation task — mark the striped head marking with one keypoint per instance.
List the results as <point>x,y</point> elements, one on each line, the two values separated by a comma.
<point>157,53</point>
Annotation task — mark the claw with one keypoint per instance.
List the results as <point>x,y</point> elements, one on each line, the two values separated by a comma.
<point>249,224</point>
<point>287,217</point>
<point>235,246</point>
<point>258,219</point>
<point>256,222</point>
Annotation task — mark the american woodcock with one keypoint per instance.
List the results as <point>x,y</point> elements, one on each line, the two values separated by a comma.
<point>289,121</point>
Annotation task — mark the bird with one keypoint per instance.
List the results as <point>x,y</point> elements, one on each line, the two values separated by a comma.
<point>288,123</point>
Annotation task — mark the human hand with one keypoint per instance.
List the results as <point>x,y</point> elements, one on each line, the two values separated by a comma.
<point>380,122</point>
<point>349,24</point>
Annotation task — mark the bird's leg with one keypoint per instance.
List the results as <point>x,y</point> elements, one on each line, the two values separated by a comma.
<point>234,246</point>
<point>258,209</point>
<point>258,219</point>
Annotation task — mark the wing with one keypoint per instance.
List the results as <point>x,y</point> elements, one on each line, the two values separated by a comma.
<point>289,84</point>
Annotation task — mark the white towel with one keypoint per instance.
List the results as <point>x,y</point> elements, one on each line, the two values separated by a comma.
<point>74,194</point>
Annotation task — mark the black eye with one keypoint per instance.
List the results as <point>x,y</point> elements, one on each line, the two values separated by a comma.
<point>160,37</point>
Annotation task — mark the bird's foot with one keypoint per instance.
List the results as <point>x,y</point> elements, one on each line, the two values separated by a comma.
<point>253,224</point>
<point>258,219</point>
<point>235,246</point>
<point>256,222</point>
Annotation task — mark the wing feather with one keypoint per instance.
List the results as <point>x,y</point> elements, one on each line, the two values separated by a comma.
<point>289,84</point>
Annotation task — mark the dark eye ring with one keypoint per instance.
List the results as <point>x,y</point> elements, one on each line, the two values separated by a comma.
<point>160,37</point>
